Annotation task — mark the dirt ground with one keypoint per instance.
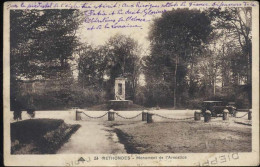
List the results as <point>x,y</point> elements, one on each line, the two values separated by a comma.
<point>92,138</point>
<point>184,136</point>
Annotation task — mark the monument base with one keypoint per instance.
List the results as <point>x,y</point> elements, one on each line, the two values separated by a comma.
<point>119,104</point>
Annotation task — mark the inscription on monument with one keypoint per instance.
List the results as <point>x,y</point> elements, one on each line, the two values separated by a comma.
<point>120,88</point>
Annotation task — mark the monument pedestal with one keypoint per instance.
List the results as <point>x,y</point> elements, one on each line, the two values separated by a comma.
<point>119,104</point>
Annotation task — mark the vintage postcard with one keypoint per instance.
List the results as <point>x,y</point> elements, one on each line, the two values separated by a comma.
<point>131,83</point>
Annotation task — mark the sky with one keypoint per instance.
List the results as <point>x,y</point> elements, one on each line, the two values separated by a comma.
<point>99,37</point>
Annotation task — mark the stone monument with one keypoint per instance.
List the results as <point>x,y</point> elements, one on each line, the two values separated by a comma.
<point>120,102</point>
<point>120,88</point>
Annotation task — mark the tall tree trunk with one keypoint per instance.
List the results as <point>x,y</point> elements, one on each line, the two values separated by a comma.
<point>214,86</point>
<point>191,87</point>
<point>248,70</point>
<point>223,72</point>
<point>175,81</point>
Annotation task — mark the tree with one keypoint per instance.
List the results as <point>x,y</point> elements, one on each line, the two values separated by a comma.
<point>239,23</point>
<point>124,60</point>
<point>118,57</point>
<point>175,39</point>
<point>42,43</point>
<point>92,66</point>
<point>234,25</point>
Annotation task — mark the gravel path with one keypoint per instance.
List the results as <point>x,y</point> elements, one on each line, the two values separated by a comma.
<point>92,138</point>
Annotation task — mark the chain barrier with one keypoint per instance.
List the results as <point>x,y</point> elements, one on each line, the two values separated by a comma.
<point>242,110</point>
<point>128,117</point>
<point>154,114</point>
<point>174,118</point>
<point>95,117</point>
<point>242,116</point>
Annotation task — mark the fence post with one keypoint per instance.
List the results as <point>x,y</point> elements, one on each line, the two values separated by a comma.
<point>234,113</point>
<point>111,115</point>
<point>149,118</point>
<point>250,114</point>
<point>197,115</point>
<point>144,115</point>
<point>78,116</point>
<point>225,114</point>
<point>207,116</point>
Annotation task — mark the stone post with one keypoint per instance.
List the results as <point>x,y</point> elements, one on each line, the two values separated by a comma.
<point>111,115</point>
<point>207,116</point>
<point>197,115</point>
<point>250,114</point>
<point>78,115</point>
<point>225,114</point>
<point>144,115</point>
<point>149,118</point>
<point>234,113</point>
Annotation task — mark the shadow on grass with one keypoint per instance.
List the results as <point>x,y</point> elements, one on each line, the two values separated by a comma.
<point>130,146</point>
<point>40,136</point>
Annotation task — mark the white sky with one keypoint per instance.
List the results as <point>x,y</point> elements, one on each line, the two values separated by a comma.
<point>99,37</point>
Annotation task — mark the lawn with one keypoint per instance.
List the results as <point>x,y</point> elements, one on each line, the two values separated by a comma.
<point>183,136</point>
<point>40,136</point>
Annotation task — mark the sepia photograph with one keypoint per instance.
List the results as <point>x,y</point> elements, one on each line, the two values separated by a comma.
<point>131,79</point>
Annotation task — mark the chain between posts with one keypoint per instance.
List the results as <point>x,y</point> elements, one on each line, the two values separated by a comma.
<point>154,114</point>
<point>174,118</point>
<point>95,117</point>
<point>242,116</point>
<point>128,117</point>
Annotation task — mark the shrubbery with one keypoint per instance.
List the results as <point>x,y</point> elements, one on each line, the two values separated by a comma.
<point>62,99</point>
<point>86,97</point>
<point>39,136</point>
<point>28,130</point>
<point>149,95</point>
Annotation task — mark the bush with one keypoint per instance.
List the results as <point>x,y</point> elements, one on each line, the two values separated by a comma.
<point>194,104</point>
<point>61,99</point>
<point>32,129</point>
<point>158,94</point>
<point>39,136</point>
<point>86,97</point>
<point>17,115</point>
<point>31,113</point>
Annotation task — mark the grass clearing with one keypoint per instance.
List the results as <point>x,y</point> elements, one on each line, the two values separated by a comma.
<point>184,137</point>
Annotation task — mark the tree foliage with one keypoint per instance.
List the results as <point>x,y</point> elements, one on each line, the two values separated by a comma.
<point>119,57</point>
<point>42,43</point>
<point>176,39</point>
<point>194,55</point>
<point>92,64</point>
<point>236,25</point>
